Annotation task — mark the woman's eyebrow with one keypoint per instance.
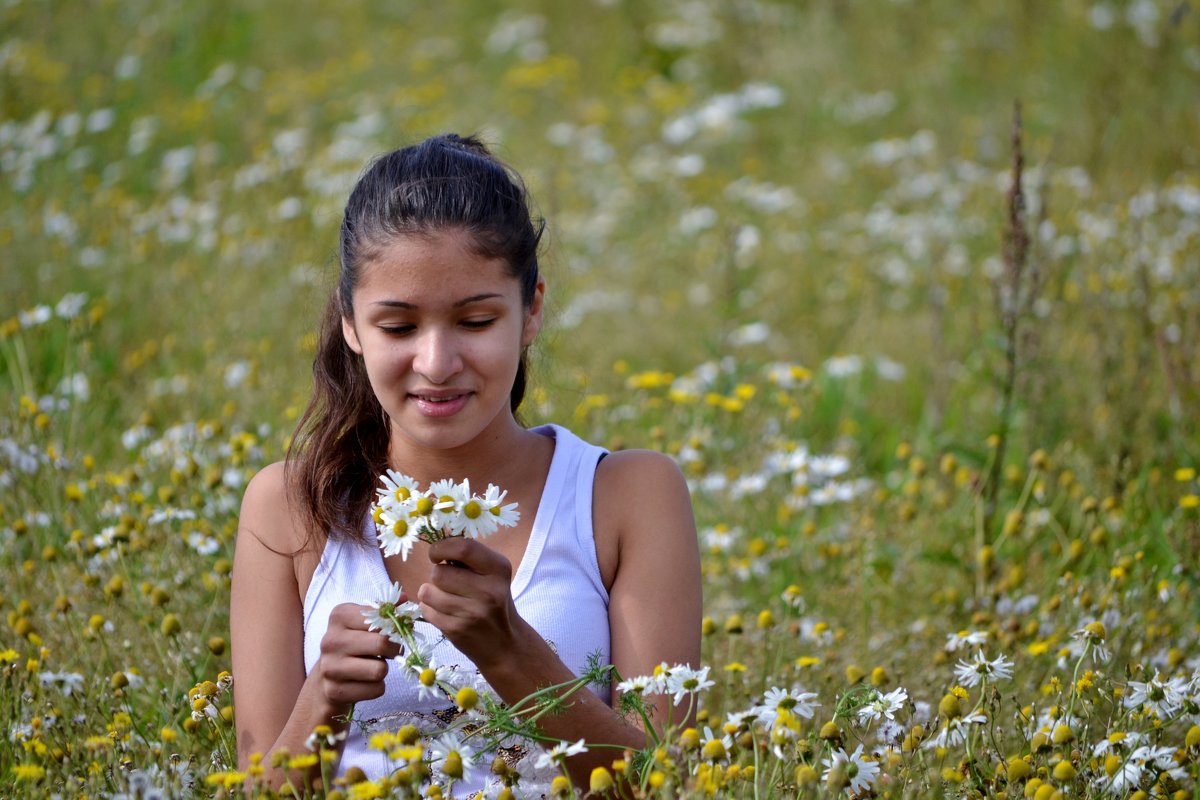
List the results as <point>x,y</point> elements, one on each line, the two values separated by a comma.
<point>475,298</point>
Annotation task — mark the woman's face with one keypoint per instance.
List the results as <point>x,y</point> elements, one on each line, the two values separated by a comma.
<point>441,330</point>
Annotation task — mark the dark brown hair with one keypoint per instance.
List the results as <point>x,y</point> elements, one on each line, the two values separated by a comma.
<point>446,182</point>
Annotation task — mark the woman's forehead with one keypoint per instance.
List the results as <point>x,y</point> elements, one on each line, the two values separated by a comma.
<point>444,267</point>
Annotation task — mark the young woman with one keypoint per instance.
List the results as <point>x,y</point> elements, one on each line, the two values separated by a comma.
<point>421,368</point>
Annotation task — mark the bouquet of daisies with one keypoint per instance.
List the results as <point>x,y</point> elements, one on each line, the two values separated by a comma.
<point>404,514</point>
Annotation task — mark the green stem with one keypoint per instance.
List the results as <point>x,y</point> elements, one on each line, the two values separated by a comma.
<point>1087,647</point>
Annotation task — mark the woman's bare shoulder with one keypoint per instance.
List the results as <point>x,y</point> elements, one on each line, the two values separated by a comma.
<point>636,490</point>
<point>270,514</point>
<point>643,472</point>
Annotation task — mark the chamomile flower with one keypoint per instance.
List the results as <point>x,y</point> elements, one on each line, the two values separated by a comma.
<point>715,748</point>
<point>473,519</point>
<point>891,733</point>
<point>1118,741</point>
<point>430,677</point>
<point>883,705</point>
<point>1127,777</point>
<point>971,673</point>
<point>448,497</point>
<point>744,719</point>
<point>323,736</point>
<point>955,730</point>
<point>398,488</point>
<point>391,617</point>
<point>493,500</point>
<point>556,755</point>
<point>794,701</point>
<point>452,756</point>
<point>397,534</point>
<point>1164,697</point>
<point>639,684</point>
<point>404,515</point>
<point>859,773</point>
<point>964,639</point>
<point>682,680</point>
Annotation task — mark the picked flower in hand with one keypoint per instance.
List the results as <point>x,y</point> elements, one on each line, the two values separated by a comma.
<point>404,514</point>
<point>394,619</point>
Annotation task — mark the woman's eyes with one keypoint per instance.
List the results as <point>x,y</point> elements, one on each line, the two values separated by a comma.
<point>469,324</point>
<point>477,324</point>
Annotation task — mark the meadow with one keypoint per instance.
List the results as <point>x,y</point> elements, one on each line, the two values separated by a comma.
<point>910,289</point>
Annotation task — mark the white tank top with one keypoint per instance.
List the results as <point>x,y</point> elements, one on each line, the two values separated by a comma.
<point>557,589</point>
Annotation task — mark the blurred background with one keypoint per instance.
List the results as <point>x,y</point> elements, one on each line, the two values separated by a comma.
<point>761,180</point>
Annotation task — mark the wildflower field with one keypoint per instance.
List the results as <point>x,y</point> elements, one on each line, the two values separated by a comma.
<point>928,357</point>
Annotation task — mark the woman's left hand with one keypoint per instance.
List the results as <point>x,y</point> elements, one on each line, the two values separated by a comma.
<point>469,599</point>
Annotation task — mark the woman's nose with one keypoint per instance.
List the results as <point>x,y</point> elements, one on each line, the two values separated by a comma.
<point>437,358</point>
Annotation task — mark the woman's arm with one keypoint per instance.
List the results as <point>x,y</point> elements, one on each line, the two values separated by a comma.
<point>642,501</point>
<point>276,704</point>
<point>655,602</point>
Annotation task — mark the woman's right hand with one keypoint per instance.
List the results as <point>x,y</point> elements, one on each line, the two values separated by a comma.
<point>354,659</point>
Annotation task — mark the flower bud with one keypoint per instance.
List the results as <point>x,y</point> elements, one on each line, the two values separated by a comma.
<point>950,707</point>
<point>452,766</point>
<point>601,781</point>
<point>1062,734</point>
<point>714,750</point>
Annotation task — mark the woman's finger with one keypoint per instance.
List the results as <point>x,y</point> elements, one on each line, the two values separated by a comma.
<point>473,555</point>
<point>349,615</point>
<point>358,643</point>
<point>343,692</point>
<point>355,669</point>
<point>443,605</point>
<point>461,580</point>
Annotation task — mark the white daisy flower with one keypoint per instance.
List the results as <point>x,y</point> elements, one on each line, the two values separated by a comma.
<point>556,755</point>
<point>430,679</point>
<point>639,684</point>
<point>883,705</point>
<point>963,639</point>
<point>448,745</point>
<point>683,680</point>
<point>473,519</point>
<point>796,701</point>
<point>397,488</point>
<point>860,773</point>
<point>955,730</point>
<point>386,613</point>
<point>397,534</point>
<point>1116,742</point>
<point>1163,696</point>
<point>493,500</point>
<point>971,673</point>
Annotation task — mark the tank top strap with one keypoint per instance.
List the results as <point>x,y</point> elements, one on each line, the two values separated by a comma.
<point>565,508</point>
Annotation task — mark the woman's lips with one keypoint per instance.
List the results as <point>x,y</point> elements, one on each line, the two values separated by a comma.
<point>440,404</point>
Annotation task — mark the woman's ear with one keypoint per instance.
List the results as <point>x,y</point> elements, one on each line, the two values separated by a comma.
<point>351,335</point>
<point>533,316</point>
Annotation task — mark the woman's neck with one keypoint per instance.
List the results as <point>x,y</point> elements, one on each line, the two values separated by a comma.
<point>492,457</point>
